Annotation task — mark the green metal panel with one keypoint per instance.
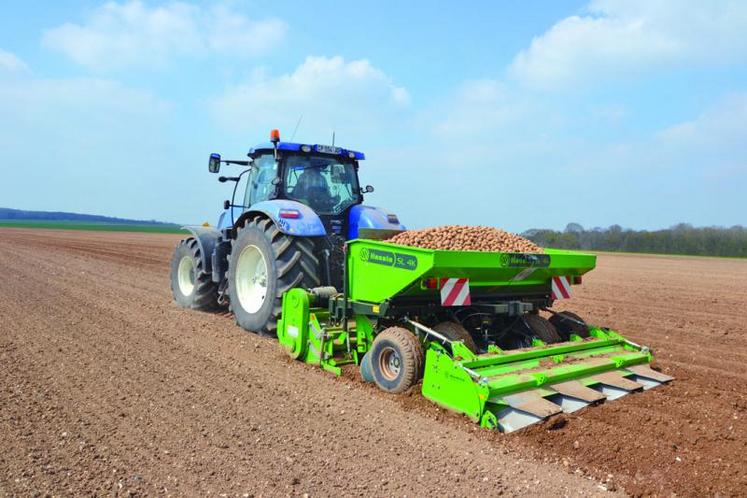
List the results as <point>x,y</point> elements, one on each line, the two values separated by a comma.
<point>450,386</point>
<point>306,334</point>
<point>485,388</point>
<point>378,271</point>
<point>364,333</point>
<point>293,327</point>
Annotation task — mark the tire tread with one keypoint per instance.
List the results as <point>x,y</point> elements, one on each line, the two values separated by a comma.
<point>542,328</point>
<point>456,332</point>
<point>411,347</point>
<point>295,263</point>
<point>205,296</point>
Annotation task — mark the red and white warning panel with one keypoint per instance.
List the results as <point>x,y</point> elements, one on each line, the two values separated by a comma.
<point>455,292</point>
<point>561,287</point>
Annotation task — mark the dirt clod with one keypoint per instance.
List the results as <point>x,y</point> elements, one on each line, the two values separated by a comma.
<point>556,422</point>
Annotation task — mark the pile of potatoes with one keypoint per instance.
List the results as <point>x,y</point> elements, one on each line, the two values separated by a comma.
<point>466,238</point>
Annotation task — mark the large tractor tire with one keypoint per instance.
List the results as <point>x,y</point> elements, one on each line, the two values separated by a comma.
<point>455,332</point>
<point>396,359</point>
<point>265,263</point>
<point>191,285</point>
<point>567,323</point>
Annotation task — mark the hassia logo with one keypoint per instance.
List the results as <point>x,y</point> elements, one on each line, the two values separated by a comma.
<point>521,260</point>
<point>388,258</point>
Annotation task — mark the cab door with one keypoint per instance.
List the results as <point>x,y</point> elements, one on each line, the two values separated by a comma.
<point>260,185</point>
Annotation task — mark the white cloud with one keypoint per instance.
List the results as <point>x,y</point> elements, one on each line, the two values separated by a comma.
<point>228,31</point>
<point>617,38</point>
<point>475,106</point>
<point>483,109</point>
<point>714,144</point>
<point>118,35</point>
<point>9,62</point>
<point>330,93</point>
<point>722,123</point>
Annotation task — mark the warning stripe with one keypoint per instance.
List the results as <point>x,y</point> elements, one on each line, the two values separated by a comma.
<point>455,292</point>
<point>561,288</point>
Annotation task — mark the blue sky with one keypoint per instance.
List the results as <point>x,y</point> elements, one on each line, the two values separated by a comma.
<point>512,114</point>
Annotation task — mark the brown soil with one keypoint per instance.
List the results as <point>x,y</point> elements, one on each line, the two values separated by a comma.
<point>689,437</point>
<point>107,387</point>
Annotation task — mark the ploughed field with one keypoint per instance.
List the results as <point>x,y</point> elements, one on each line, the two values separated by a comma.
<point>107,387</point>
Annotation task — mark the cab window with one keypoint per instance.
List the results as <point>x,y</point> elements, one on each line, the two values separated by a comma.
<point>260,187</point>
<point>323,183</point>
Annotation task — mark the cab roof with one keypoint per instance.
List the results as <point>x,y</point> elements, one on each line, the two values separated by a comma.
<point>309,148</point>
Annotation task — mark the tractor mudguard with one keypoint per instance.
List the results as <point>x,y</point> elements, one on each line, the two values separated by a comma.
<point>206,238</point>
<point>305,223</point>
<point>371,217</point>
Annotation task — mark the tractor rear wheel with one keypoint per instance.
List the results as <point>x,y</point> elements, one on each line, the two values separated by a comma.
<point>192,286</point>
<point>567,323</point>
<point>456,332</point>
<point>263,265</point>
<point>396,359</point>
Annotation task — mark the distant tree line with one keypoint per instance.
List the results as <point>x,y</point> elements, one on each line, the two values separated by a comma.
<point>19,214</point>
<point>679,239</point>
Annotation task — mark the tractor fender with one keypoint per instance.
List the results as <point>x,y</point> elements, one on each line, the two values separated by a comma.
<point>308,223</point>
<point>371,217</point>
<point>206,238</point>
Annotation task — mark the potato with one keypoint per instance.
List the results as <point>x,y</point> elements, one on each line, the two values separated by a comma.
<point>466,238</point>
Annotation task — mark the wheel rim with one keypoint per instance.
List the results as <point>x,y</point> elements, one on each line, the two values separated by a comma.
<point>186,275</point>
<point>251,279</point>
<point>389,363</point>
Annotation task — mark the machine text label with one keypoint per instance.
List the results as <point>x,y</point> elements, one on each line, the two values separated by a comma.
<point>388,258</point>
<point>525,260</point>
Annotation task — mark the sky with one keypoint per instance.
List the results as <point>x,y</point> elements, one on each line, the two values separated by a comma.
<point>511,114</point>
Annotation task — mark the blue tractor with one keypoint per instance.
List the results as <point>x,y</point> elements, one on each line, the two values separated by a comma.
<point>301,204</point>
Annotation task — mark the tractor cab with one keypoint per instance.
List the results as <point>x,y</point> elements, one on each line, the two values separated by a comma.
<point>291,182</point>
<point>321,177</point>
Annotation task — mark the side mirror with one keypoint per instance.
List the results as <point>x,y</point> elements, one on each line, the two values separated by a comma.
<point>368,189</point>
<point>226,204</point>
<point>214,163</point>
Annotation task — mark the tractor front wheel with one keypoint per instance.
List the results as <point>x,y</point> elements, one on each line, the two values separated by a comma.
<point>396,359</point>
